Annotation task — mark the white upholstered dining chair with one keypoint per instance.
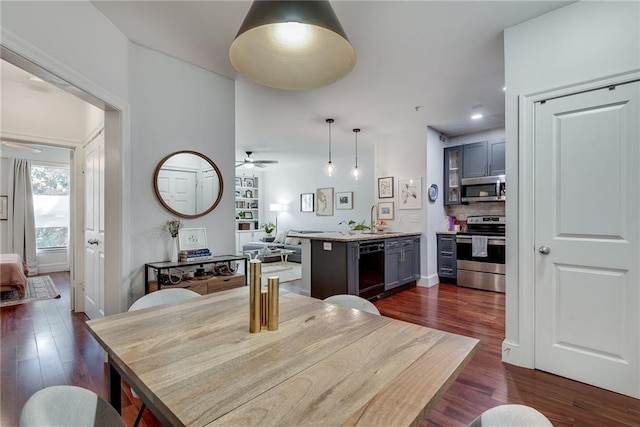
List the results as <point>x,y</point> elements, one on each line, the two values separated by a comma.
<point>66,405</point>
<point>353,301</point>
<point>163,296</point>
<point>511,416</point>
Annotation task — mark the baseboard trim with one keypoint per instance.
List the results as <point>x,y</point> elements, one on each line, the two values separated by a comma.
<point>513,355</point>
<point>428,281</point>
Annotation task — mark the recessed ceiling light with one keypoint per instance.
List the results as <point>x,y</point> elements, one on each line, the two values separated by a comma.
<point>504,88</point>
<point>476,116</point>
<point>36,79</point>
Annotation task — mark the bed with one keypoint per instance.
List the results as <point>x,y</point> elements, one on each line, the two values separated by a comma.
<point>13,274</point>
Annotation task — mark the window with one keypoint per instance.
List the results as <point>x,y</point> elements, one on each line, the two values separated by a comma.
<point>50,185</point>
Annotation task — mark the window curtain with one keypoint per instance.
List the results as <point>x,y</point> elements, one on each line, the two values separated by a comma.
<point>21,225</point>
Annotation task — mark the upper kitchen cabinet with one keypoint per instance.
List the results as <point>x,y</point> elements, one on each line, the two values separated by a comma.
<point>496,157</point>
<point>452,175</point>
<point>485,158</point>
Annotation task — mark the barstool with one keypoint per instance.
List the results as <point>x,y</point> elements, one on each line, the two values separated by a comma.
<point>353,301</point>
<point>66,405</point>
<point>511,416</point>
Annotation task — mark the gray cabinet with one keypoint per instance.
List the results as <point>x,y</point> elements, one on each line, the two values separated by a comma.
<point>447,256</point>
<point>402,261</point>
<point>485,158</point>
<point>474,160</point>
<point>452,175</point>
<point>496,153</point>
<point>335,270</point>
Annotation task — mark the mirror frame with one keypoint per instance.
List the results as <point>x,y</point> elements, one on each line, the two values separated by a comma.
<point>170,209</point>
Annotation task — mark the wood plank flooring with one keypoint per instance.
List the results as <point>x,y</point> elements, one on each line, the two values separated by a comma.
<point>43,344</point>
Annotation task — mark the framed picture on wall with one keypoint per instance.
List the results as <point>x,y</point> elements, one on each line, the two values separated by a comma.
<point>410,193</point>
<point>306,202</point>
<point>385,187</point>
<point>324,201</point>
<point>192,238</point>
<point>344,200</point>
<point>385,210</point>
<point>248,182</point>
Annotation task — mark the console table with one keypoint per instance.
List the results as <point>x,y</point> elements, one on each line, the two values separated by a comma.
<point>159,267</point>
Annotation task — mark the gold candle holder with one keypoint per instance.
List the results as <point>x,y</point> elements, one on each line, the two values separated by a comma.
<point>255,296</point>
<point>273,294</point>
<point>263,308</point>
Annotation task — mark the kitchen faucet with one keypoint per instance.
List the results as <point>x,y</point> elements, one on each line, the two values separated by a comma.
<point>373,208</point>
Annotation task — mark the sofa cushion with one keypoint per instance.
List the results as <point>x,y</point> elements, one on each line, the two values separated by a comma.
<point>292,241</point>
<point>280,237</point>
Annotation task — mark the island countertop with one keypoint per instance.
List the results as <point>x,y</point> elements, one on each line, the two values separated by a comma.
<point>345,236</point>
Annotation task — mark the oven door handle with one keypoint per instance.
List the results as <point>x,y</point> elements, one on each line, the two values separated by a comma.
<point>490,241</point>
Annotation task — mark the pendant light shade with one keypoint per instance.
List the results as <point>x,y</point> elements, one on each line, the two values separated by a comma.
<point>292,45</point>
<point>329,168</point>
<point>355,173</point>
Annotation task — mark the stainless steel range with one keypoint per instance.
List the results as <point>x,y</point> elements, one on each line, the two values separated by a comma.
<point>481,253</point>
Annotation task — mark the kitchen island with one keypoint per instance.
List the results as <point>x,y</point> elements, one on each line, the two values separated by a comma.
<point>370,265</point>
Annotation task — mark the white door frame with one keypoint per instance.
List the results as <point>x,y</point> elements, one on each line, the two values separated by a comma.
<point>117,164</point>
<point>522,352</point>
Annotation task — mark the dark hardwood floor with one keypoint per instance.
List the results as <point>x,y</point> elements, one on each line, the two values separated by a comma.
<point>44,344</point>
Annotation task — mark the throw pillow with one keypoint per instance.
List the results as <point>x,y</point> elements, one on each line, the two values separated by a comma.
<point>292,241</point>
<point>280,237</point>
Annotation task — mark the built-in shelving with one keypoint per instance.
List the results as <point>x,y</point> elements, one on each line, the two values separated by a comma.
<point>247,209</point>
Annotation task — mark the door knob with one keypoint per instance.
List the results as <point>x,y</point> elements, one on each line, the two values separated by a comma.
<point>92,241</point>
<point>544,250</point>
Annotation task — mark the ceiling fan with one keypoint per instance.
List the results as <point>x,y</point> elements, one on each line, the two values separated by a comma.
<point>250,162</point>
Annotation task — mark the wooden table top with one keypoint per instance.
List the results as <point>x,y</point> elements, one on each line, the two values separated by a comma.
<point>326,365</point>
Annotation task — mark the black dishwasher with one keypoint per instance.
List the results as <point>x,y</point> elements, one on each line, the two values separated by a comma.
<point>371,269</point>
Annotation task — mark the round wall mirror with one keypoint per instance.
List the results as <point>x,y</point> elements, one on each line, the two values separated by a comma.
<point>188,184</point>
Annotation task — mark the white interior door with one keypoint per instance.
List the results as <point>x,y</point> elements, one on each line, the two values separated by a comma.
<point>210,189</point>
<point>587,182</point>
<point>178,189</point>
<point>94,229</point>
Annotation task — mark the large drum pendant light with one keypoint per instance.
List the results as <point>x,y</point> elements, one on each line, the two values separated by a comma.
<point>292,45</point>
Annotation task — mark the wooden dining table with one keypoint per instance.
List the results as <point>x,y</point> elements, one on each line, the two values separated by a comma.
<point>195,363</point>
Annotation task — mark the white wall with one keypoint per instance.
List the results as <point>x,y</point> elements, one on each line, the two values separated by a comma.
<point>284,185</point>
<point>75,34</point>
<point>176,106</point>
<point>576,44</point>
<point>38,112</point>
<point>435,210</point>
<point>403,155</point>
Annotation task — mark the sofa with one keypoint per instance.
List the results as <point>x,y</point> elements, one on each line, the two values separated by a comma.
<point>282,241</point>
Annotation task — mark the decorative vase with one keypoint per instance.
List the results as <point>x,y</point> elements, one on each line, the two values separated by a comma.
<point>174,249</point>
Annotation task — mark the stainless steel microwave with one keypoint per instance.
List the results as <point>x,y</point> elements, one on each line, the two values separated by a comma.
<point>484,189</point>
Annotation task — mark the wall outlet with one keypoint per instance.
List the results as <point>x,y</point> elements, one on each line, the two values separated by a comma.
<point>400,218</point>
<point>414,218</point>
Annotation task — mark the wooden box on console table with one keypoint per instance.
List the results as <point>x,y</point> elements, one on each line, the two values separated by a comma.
<point>205,286</point>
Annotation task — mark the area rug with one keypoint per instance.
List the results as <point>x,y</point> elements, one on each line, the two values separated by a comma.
<point>290,271</point>
<point>38,289</point>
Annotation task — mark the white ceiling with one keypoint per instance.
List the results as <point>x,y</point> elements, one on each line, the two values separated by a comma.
<point>419,63</point>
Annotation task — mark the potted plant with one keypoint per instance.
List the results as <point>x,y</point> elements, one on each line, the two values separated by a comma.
<point>356,227</point>
<point>268,228</point>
